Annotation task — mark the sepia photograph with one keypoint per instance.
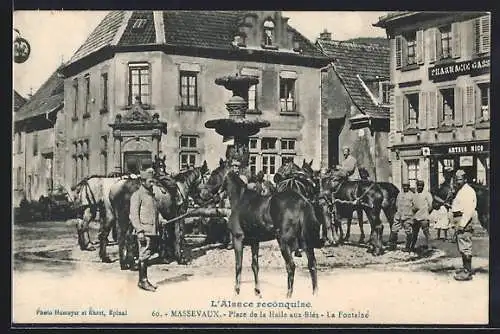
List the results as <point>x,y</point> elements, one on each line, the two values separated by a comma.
<point>175,167</point>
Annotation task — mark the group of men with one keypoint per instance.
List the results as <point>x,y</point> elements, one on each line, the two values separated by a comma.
<point>413,214</point>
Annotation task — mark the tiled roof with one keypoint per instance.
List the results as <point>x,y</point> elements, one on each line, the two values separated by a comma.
<point>102,35</point>
<point>206,29</point>
<point>47,98</point>
<point>366,61</point>
<point>18,101</point>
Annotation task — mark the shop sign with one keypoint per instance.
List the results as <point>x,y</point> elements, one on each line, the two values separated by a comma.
<point>462,148</point>
<point>451,71</point>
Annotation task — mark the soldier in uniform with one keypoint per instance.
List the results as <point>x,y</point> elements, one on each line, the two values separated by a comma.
<point>403,217</point>
<point>422,209</point>
<point>463,210</point>
<point>349,165</point>
<point>144,216</point>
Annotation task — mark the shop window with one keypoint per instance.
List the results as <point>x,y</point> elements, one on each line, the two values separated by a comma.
<point>189,89</point>
<point>139,83</point>
<point>485,101</point>
<point>448,106</point>
<point>413,169</point>
<point>446,42</point>
<point>287,94</point>
<point>411,109</point>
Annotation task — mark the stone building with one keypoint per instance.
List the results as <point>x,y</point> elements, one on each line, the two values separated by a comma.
<point>166,62</point>
<point>34,140</point>
<point>355,104</point>
<point>440,72</point>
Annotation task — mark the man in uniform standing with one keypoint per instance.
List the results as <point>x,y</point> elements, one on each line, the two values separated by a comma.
<point>144,216</point>
<point>463,210</point>
<point>423,207</point>
<point>403,217</point>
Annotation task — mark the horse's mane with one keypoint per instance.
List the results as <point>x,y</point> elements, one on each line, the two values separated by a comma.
<point>183,175</point>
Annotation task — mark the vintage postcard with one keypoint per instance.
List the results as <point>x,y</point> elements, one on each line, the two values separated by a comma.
<point>250,167</point>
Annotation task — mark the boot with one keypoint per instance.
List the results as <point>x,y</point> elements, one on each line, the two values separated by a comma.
<point>408,243</point>
<point>466,273</point>
<point>464,260</point>
<point>143,278</point>
<point>393,240</point>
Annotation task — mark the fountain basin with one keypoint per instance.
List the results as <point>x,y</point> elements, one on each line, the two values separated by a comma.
<point>241,127</point>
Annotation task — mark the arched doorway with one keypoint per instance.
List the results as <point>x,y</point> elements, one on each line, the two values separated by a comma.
<point>135,161</point>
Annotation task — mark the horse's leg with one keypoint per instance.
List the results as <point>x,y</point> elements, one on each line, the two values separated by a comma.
<point>377,230</point>
<point>82,228</point>
<point>359,212</point>
<point>104,229</point>
<point>238,257</point>
<point>311,264</point>
<point>255,266</point>
<point>349,220</point>
<point>286,252</point>
<point>123,242</point>
<point>179,242</point>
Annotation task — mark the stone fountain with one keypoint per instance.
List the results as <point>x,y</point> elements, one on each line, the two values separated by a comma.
<point>237,126</point>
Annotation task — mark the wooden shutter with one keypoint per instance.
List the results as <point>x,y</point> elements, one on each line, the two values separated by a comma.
<point>406,113</point>
<point>456,45</point>
<point>485,31</point>
<point>420,47</point>
<point>439,46</point>
<point>422,110</point>
<point>458,96</point>
<point>477,103</point>
<point>439,108</point>
<point>469,105</point>
<point>431,45</point>
<point>399,51</point>
<point>270,85</point>
<point>432,109</point>
<point>398,111</point>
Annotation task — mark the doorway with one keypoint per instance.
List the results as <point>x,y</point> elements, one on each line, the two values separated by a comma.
<point>335,126</point>
<point>135,161</point>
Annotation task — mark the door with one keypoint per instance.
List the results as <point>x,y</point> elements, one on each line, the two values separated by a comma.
<point>135,161</point>
<point>334,128</point>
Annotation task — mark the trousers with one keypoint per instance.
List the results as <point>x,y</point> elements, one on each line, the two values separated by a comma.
<point>147,247</point>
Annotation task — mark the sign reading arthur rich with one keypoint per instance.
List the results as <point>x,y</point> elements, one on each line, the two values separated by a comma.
<point>449,71</point>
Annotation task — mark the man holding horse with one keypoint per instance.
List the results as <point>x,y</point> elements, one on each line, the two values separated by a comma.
<point>463,210</point>
<point>403,217</point>
<point>144,216</point>
<point>423,207</point>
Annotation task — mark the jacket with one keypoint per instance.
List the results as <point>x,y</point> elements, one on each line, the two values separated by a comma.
<point>144,214</point>
<point>464,204</point>
<point>423,204</point>
<point>349,166</point>
<point>405,205</point>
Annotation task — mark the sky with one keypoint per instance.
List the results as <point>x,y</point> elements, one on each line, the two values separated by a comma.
<point>55,36</point>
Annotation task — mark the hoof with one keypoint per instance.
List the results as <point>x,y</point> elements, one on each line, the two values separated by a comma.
<point>289,294</point>
<point>106,260</point>
<point>361,240</point>
<point>143,285</point>
<point>229,247</point>
<point>257,293</point>
<point>237,291</point>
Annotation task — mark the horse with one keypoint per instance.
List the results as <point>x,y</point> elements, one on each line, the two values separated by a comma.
<point>285,216</point>
<point>446,192</point>
<point>90,195</point>
<point>170,204</point>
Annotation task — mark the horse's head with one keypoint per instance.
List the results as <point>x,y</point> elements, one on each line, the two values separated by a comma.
<point>214,181</point>
<point>307,167</point>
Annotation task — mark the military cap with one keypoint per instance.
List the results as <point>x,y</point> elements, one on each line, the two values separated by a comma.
<point>147,174</point>
<point>346,148</point>
<point>420,183</point>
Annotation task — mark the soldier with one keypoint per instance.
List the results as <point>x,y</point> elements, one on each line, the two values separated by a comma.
<point>349,165</point>
<point>144,217</point>
<point>422,209</point>
<point>403,217</point>
<point>463,210</point>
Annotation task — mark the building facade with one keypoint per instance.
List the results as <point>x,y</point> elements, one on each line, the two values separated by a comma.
<point>355,105</point>
<point>440,74</point>
<point>169,61</point>
<point>34,141</point>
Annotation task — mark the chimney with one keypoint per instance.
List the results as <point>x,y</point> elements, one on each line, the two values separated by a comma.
<point>30,94</point>
<point>325,35</point>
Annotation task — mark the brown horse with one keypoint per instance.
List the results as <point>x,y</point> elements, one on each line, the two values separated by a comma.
<point>171,204</point>
<point>286,216</point>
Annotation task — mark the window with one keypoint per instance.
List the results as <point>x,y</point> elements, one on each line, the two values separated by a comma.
<point>189,89</point>
<point>252,97</point>
<point>75,87</point>
<point>268,37</point>
<point>139,83</point>
<point>104,155</point>
<point>446,40</point>
<point>139,24</point>
<point>252,164</point>
<point>269,164</point>
<point>268,144</point>
<point>87,93</point>
<point>411,48</point>
<point>19,142</point>
<point>485,101</point>
<point>287,144</point>
<point>442,165</point>
<point>188,154</point>
<point>411,111</point>
<point>448,106</point>
<point>253,143</point>
<point>482,30</point>
<point>413,172</point>
<point>385,92</point>
<point>19,178</point>
<point>287,94</point>
<point>286,159</point>
<point>104,90</point>
<point>35,143</point>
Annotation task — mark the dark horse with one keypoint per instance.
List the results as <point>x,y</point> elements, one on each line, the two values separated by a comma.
<point>286,216</point>
<point>172,203</point>
<point>446,192</point>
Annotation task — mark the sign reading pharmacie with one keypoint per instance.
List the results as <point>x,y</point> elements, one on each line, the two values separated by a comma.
<point>450,71</point>
<point>458,149</point>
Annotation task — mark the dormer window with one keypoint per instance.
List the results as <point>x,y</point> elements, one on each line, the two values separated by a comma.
<point>139,24</point>
<point>268,33</point>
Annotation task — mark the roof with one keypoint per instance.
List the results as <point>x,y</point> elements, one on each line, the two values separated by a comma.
<point>392,16</point>
<point>18,101</point>
<point>205,29</point>
<point>49,97</point>
<point>351,60</point>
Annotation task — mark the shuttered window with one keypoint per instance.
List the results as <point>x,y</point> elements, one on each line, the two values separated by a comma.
<point>446,42</point>
<point>411,110</point>
<point>484,111</point>
<point>139,83</point>
<point>411,47</point>
<point>447,107</point>
<point>482,32</point>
